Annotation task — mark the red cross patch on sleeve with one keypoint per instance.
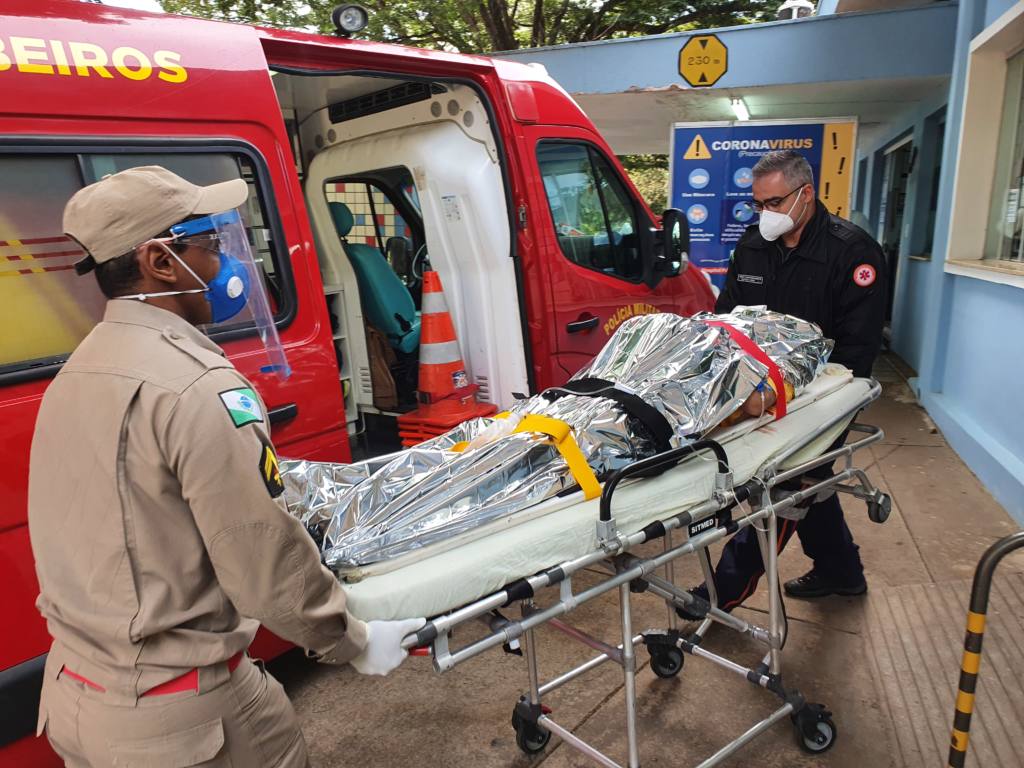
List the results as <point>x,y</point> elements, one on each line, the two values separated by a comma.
<point>864,275</point>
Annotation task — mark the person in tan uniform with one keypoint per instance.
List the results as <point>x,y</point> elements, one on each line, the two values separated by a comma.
<point>160,537</point>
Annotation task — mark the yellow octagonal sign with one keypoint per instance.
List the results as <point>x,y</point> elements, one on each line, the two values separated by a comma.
<point>703,60</point>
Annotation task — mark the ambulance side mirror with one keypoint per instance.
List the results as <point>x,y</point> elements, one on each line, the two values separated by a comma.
<point>675,238</point>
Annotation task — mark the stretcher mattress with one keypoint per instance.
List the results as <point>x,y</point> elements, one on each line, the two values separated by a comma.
<point>449,574</point>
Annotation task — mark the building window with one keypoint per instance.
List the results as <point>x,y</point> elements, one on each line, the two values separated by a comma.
<point>862,183</point>
<point>933,188</point>
<point>985,214</point>
<point>1005,241</point>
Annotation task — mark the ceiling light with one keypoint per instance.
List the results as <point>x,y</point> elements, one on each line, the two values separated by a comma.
<point>742,113</point>
<point>795,9</point>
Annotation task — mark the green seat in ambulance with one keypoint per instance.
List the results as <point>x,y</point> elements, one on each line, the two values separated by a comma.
<point>386,301</point>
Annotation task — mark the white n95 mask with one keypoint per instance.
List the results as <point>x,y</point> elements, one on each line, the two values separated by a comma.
<point>773,225</point>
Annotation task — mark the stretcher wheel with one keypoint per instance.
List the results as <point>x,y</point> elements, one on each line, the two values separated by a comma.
<point>530,737</point>
<point>666,662</point>
<point>815,731</point>
<point>878,511</point>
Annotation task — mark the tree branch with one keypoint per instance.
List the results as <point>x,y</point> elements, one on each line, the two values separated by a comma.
<point>721,12</point>
<point>537,28</point>
<point>557,24</point>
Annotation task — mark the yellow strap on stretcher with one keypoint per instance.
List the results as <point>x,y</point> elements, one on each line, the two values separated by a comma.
<point>561,435</point>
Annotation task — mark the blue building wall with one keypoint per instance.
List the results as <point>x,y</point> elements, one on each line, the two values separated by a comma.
<point>912,307</point>
<point>996,8</point>
<point>978,373</point>
<point>962,333</point>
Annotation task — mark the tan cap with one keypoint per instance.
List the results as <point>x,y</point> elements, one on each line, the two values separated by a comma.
<point>119,212</point>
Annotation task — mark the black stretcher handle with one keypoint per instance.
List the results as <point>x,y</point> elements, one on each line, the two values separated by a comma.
<point>657,461</point>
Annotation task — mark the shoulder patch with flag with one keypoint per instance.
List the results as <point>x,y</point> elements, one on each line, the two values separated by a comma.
<point>243,406</point>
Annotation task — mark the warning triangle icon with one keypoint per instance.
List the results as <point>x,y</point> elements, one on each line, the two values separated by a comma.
<point>703,42</point>
<point>698,150</point>
<point>703,78</point>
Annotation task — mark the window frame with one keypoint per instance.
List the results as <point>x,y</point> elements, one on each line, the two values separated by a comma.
<point>928,187</point>
<point>76,146</point>
<point>640,216</point>
<point>1012,133</point>
<point>974,166</point>
<point>405,208</point>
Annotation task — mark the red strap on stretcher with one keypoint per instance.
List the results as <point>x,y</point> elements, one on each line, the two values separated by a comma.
<point>747,345</point>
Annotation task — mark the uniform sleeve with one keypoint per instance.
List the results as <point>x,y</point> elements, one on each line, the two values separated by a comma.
<point>860,294</point>
<point>217,444</point>
<point>729,298</point>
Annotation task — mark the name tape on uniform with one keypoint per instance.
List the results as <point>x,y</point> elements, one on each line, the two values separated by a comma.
<point>243,406</point>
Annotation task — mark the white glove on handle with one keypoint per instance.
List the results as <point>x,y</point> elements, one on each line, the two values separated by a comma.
<point>383,651</point>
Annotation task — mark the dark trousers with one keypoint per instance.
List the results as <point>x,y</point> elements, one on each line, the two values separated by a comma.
<point>825,539</point>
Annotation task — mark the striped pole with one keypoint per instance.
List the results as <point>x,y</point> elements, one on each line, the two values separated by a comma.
<point>971,663</point>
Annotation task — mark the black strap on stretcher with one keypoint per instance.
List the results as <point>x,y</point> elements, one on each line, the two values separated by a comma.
<point>653,419</point>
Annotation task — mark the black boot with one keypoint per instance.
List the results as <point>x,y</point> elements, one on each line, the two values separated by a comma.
<point>699,592</point>
<point>813,584</point>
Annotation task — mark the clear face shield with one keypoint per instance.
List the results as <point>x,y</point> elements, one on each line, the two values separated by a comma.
<point>238,284</point>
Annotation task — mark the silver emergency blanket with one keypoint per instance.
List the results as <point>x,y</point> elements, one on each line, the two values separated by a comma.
<point>695,374</point>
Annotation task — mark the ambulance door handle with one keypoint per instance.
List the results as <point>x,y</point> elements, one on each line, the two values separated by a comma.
<point>583,325</point>
<point>283,413</point>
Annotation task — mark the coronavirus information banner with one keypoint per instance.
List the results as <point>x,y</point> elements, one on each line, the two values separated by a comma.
<point>711,174</point>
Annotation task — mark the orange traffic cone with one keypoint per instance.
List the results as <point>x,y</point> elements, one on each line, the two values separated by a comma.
<point>442,372</point>
<point>446,396</point>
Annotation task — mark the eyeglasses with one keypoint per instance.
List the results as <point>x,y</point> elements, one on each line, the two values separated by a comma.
<point>772,203</point>
<point>210,242</point>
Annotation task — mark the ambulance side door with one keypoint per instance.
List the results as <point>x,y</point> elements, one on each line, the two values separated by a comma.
<point>589,230</point>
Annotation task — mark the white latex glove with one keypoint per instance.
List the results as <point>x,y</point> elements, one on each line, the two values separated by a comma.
<point>383,651</point>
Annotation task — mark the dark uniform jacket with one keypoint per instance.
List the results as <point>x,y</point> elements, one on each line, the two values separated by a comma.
<point>835,277</point>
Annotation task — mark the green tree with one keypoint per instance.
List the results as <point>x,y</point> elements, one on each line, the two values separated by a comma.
<point>480,26</point>
<point>297,14</point>
<point>650,174</point>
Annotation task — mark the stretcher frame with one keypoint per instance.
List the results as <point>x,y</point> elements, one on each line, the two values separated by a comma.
<point>703,525</point>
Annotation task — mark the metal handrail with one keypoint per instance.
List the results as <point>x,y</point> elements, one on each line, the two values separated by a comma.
<point>971,662</point>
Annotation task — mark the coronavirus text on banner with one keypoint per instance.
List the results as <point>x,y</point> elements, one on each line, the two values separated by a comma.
<point>711,171</point>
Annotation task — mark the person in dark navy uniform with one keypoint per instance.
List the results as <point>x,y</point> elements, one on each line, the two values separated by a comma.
<point>804,261</point>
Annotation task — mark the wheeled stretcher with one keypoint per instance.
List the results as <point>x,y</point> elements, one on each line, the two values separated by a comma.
<point>737,477</point>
